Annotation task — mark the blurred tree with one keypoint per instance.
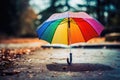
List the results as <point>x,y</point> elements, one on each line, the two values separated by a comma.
<point>15,16</point>
<point>108,12</point>
<point>114,13</point>
<point>55,8</point>
<point>102,10</point>
<point>8,17</point>
<point>26,22</point>
<point>49,11</point>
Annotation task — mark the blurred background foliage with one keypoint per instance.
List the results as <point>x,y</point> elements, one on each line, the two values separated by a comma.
<point>20,18</point>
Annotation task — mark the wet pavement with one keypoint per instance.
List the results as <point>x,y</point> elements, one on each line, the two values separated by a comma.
<point>51,64</point>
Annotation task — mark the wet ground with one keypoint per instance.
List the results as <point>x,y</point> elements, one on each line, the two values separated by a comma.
<point>50,64</point>
<point>23,59</point>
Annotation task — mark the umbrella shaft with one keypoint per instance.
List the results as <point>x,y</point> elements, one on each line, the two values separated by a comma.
<point>69,22</point>
<point>69,34</point>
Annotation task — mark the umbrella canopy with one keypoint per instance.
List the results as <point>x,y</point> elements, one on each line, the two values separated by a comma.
<point>69,28</point>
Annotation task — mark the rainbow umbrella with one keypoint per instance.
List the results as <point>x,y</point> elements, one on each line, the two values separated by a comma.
<point>68,28</point>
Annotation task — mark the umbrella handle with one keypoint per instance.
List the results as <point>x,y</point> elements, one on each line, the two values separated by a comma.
<point>69,61</point>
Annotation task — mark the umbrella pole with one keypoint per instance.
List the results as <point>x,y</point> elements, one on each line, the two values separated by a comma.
<point>69,60</point>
